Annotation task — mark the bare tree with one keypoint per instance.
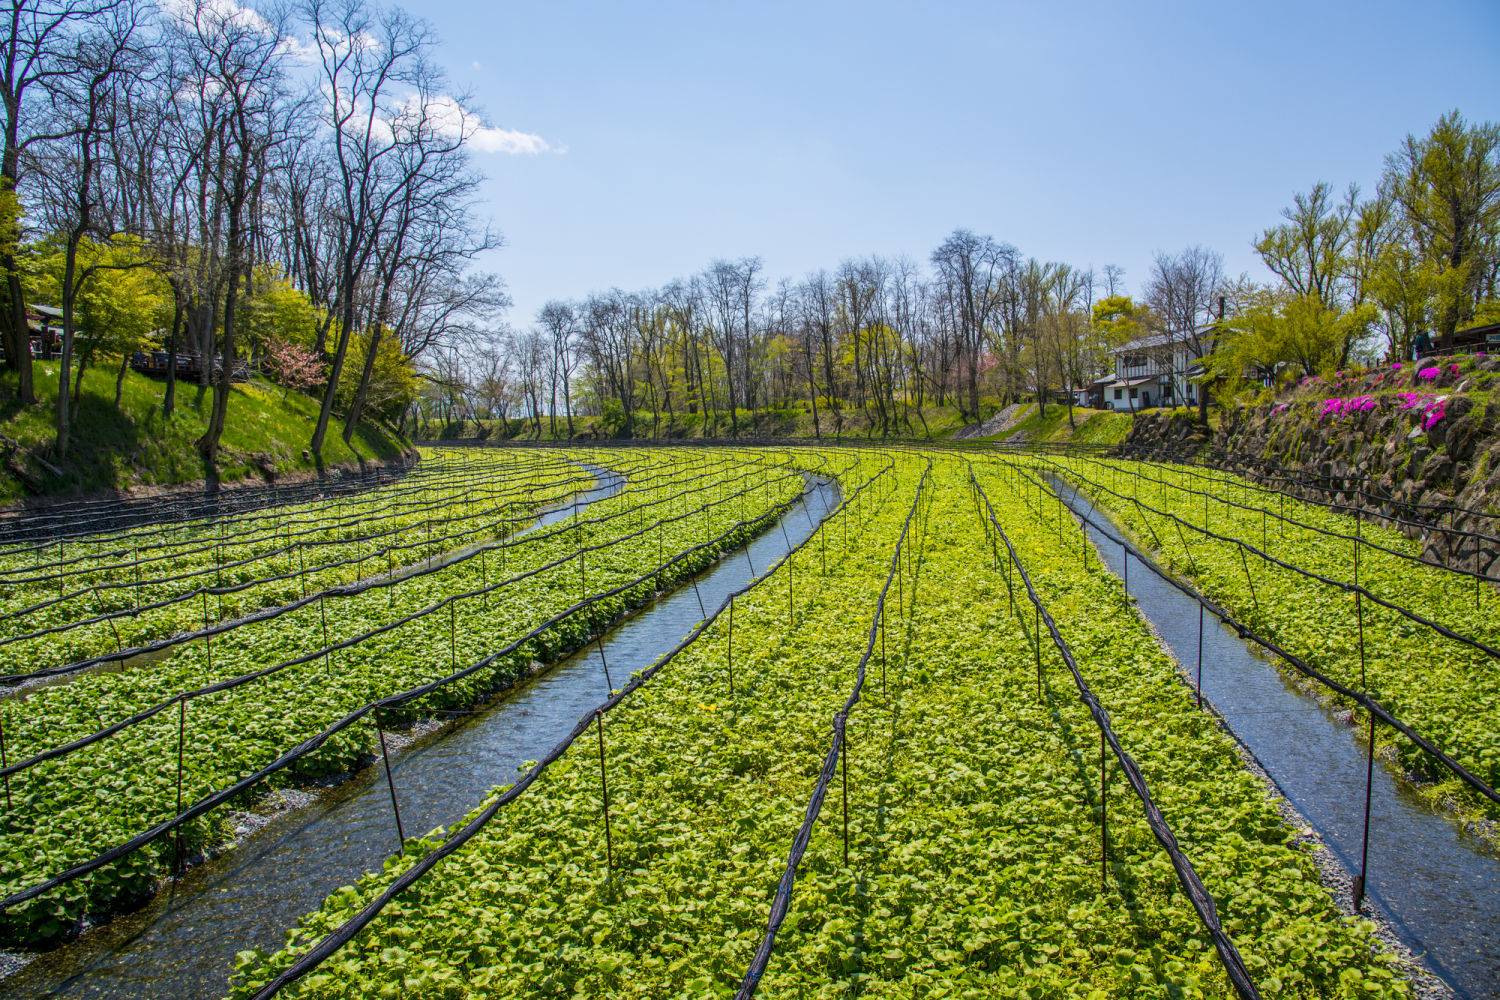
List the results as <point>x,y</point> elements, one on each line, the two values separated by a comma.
<point>39,51</point>
<point>1184,291</point>
<point>81,112</point>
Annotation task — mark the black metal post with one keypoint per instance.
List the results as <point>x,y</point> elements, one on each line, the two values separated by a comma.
<point>390,783</point>
<point>599,640</point>
<point>844,773</point>
<point>5,762</point>
<point>1103,817</point>
<point>179,861</point>
<point>1200,652</point>
<point>1364,848</point>
<point>609,847</point>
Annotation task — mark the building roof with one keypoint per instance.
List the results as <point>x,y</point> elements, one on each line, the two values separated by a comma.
<point>1131,383</point>
<point>1476,333</point>
<point>1158,340</point>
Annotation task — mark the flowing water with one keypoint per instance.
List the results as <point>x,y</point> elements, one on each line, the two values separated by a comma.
<point>1438,886</point>
<point>183,944</point>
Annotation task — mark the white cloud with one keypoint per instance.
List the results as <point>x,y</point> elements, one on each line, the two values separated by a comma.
<point>476,65</point>
<point>304,52</point>
<point>454,119</point>
<point>500,140</point>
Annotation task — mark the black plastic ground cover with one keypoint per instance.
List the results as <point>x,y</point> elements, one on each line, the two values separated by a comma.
<point>209,802</point>
<point>346,932</point>
<point>1187,875</point>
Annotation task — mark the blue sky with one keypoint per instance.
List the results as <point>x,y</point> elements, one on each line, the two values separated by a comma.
<point>809,132</point>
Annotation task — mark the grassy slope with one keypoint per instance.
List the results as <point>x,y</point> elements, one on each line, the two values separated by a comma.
<point>1092,426</point>
<point>134,445</point>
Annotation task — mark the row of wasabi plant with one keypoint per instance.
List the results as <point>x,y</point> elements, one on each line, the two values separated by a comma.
<point>1444,689</point>
<point>112,600</point>
<point>973,809</point>
<point>228,707</point>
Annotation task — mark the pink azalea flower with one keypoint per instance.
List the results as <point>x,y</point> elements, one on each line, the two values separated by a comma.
<point>1434,414</point>
<point>1428,374</point>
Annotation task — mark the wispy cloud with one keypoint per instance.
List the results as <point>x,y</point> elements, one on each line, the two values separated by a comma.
<point>455,119</point>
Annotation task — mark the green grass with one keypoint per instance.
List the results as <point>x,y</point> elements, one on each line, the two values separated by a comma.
<point>1089,426</point>
<point>115,448</point>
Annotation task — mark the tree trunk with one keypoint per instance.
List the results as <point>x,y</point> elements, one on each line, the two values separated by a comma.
<point>120,379</point>
<point>64,413</point>
<point>357,406</point>
<point>169,395</point>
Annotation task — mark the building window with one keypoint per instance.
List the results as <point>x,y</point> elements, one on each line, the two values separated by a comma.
<point>1119,393</point>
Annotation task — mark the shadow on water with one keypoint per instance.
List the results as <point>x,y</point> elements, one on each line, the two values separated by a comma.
<point>1438,886</point>
<point>184,943</point>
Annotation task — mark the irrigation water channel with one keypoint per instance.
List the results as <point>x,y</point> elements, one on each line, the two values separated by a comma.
<point>184,942</point>
<point>1438,886</point>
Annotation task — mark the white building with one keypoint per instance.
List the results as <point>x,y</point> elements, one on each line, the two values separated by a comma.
<point>1153,371</point>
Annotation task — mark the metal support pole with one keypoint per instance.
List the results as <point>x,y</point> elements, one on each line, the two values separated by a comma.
<point>844,773</point>
<point>1359,617</point>
<point>1364,848</point>
<point>5,762</point>
<point>179,860</point>
<point>1244,562</point>
<point>1200,653</point>
<point>609,847</point>
<point>882,652</point>
<point>1037,645</point>
<point>327,653</point>
<point>599,640</point>
<point>1103,817</point>
<point>390,783</point>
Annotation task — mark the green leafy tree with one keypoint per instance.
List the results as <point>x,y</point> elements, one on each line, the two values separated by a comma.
<point>122,300</point>
<point>1279,330</point>
<point>1121,319</point>
<point>1447,185</point>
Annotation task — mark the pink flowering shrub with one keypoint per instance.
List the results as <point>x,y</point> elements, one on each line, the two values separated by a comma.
<point>1434,414</point>
<point>1335,406</point>
<point>1430,409</point>
<point>1429,374</point>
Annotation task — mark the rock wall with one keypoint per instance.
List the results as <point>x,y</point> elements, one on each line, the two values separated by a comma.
<point>1381,454</point>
